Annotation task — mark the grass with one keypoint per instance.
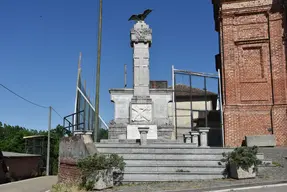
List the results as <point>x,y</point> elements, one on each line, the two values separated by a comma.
<point>66,188</point>
<point>276,164</point>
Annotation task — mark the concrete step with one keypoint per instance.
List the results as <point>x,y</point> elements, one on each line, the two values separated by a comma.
<point>152,145</point>
<point>142,156</point>
<point>176,156</point>
<point>172,156</point>
<point>158,148</point>
<point>154,150</point>
<point>168,162</point>
<point>174,168</point>
<point>132,141</point>
<point>168,176</point>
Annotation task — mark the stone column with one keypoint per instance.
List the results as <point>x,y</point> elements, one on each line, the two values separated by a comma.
<point>141,103</point>
<point>194,135</point>
<point>143,135</point>
<point>203,136</point>
<point>141,37</point>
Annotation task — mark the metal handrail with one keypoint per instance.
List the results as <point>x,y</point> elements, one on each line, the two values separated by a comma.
<point>71,125</point>
<point>73,114</point>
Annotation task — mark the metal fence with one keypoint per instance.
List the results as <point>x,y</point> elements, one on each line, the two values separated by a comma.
<point>197,103</point>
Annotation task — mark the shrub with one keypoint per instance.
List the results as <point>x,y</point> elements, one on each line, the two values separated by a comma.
<point>100,162</point>
<point>93,164</point>
<point>243,157</point>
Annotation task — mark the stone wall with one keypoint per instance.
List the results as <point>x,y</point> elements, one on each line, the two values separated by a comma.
<point>253,67</point>
<point>165,132</point>
<point>116,130</point>
<point>71,150</point>
<point>122,98</point>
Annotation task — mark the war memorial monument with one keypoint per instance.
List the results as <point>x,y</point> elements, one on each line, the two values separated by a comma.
<point>143,134</point>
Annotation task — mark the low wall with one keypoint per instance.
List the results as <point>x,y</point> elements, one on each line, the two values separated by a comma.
<point>71,149</point>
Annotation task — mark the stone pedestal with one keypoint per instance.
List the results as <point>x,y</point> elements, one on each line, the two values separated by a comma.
<point>187,138</point>
<point>194,135</point>
<point>203,131</point>
<point>143,134</point>
<point>133,131</point>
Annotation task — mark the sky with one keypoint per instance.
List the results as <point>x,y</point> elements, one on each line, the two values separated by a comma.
<point>40,43</point>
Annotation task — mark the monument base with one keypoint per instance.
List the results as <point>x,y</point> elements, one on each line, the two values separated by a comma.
<point>133,132</point>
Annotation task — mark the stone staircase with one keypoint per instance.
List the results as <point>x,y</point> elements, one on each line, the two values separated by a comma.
<point>172,161</point>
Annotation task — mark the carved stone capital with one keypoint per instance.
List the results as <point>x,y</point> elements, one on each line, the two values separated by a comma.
<point>141,33</point>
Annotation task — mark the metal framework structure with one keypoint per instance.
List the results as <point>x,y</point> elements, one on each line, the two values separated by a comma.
<point>37,144</point>
<point>82,121</point>
<point>205,112</point>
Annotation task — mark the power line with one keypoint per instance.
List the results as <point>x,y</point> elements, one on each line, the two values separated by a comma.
<point>57,113</point>
<point>29,100</point>
<point>23,97</point>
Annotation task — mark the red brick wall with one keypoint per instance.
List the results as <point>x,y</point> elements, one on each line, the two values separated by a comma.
<point>71,149</point>
<point>68,171</point>
<point>253,69</point>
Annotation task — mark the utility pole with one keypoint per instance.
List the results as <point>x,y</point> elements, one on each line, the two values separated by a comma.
<point>48,143</point>
<point>97,102</point>
<point>125,71</point>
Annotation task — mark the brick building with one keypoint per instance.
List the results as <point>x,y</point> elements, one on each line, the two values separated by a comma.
<point>252,62</point>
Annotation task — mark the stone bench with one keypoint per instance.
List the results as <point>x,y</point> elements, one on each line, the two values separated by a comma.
<point>260,140</point>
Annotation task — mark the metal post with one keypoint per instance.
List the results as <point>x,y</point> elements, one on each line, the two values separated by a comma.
<point>75,128</point>
<point>205,98</point>
<point>191,111</point>
<point>89,120</point>
<point>125,71</point>
<point>75,121</point>
<point>221,108</point>
<point>48,143</point>
<point>83,127</point>
<point>64,122</point>
<point>98,72</point>
<point>175,109</point>
<point>173,102</point>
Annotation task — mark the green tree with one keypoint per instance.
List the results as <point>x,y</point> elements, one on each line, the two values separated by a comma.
<point>12,140</point>
<point>56,135</point>
<point>11,137</point>
<point>102,134</point>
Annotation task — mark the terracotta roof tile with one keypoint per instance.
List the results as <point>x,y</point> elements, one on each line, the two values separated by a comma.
<point>184,90</point>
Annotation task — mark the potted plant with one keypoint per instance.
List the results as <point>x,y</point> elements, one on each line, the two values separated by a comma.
<point>242,163</point>
<point>97,170</point>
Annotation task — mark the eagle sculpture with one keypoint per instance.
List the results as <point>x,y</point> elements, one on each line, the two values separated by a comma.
<point>140,17</point>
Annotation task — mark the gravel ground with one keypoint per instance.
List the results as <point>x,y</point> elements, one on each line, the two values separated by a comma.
<point>277,172</point>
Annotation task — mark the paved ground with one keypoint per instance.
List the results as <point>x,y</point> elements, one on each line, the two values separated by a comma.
<point>39,184</point>
<point>269,189</point>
